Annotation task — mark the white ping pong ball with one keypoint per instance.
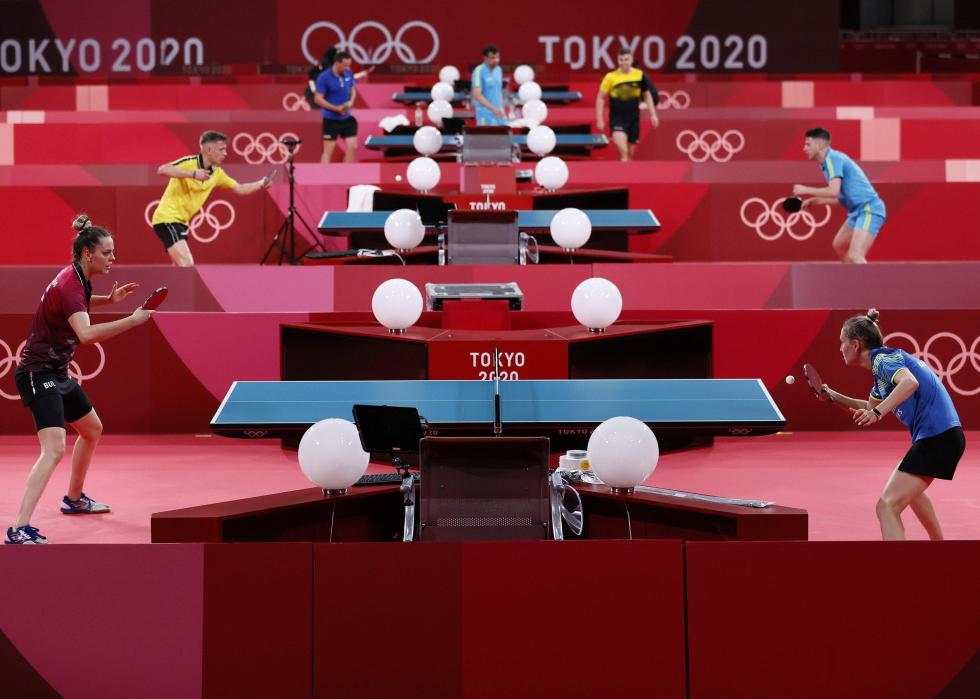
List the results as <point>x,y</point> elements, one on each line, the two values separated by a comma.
<point>790,379</point>
<point>397,304</point>
<point>398,178</point>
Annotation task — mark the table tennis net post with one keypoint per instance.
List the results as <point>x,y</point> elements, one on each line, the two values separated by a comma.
<point>497,426</point>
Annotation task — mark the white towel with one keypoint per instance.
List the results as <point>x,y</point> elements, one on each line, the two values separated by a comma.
<point>360,197</point>
<point>390,122</point>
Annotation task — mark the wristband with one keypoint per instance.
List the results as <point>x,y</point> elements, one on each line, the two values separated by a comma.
<point>875,411</point>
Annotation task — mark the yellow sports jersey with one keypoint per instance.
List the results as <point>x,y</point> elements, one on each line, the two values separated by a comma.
<point>625,91</point>
<point>184,196</point>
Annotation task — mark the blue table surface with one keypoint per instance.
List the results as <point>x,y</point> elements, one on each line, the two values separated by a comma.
<point>637,219</point>
<point>426,96</point>
<point>562,139</point>
<point>560,402</point>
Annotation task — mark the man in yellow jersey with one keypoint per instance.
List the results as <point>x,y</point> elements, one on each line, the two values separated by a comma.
<point>191,180</point>
<point>627,87</point>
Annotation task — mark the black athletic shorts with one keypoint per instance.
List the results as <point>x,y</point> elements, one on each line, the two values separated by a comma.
<point>630,127</point>
<point>170,233</point>
<point>339,128</point>
<point>936,456</point>
<point>54,399</point>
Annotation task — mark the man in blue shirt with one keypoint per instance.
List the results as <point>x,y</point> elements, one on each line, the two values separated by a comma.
<point>848,184</point>
<point>488,89</point>
<point>335,93</point>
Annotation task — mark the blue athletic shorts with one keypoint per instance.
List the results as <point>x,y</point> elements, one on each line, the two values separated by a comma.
<point>868,217</point>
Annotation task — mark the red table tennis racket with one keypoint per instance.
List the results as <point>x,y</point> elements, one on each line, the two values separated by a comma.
<point>792,204</point>
<point>812,377</point>
<point>154,300</point>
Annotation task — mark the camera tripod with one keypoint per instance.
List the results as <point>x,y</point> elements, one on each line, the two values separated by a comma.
<point>285,238</point>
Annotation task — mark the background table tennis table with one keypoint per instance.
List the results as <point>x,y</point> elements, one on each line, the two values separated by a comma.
<point>547,96</point>
<point>531,407</point>
<point>588,141</point>
<point>631,220</point>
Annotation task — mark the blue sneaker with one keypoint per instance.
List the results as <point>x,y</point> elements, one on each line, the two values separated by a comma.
<point>24,535</point>
<point>83,506</point>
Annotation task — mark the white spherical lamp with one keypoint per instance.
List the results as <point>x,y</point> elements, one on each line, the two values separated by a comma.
<point>523,74</point>
<point>571,228</point>
<point>551,173</point>
<point>535,110</point>
<point>439,110</point>
<point>331,456</point>
<point>449,74</point>
<point>404,229</point>
<point>423,174</point>
<point>427,140</point>
<point>596,303</point>
<point>397,304</point>
<point>442,91</point>
<point>623,453</point>
<point>541,140</point>
<point>529,91</point>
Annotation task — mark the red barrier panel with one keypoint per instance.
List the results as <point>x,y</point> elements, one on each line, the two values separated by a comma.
<point>480,619</point>
<point>161,621</point>
<point>228,229</point>
<point>842,619</point>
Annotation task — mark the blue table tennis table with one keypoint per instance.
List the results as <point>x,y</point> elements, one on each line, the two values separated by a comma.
<point>631,220</point>
<point>532,407</point>
<point>450,142</point>
<point>547,96</point>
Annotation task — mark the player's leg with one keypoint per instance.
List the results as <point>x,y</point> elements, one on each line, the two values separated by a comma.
<point>902,488</point>
<point>350,139</point>
<point>621,141</point>
<point>82,417</point>
<point>174,239</point>
<point>633,137</point>
<point>926,514</point>
<point>52,441</point>
<point>842,241</point>
<point>180,254</point>
<point>866,222</point>
<point>329,139</point>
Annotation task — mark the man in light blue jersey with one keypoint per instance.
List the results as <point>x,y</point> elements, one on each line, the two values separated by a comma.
<point>488,89</point>
<point>848,184</point>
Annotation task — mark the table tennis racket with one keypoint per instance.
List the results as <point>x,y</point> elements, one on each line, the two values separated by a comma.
<point>154,300</point>
<point>812,377</point>
<point>792,204</point>
<point>268,178</point>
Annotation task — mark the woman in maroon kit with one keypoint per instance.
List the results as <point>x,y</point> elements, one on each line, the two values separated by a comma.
<point>60,324</point>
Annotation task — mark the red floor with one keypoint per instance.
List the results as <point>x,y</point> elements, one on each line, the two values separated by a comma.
<point>836,476</point>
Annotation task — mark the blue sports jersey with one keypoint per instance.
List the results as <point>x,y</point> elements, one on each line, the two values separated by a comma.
<point>491,83</point>
<point>927,412</point>
<point>855,188</point>
<point>335,90</point>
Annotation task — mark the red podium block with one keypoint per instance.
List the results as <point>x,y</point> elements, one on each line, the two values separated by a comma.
<point>476,314</point>
<point>500,177</point>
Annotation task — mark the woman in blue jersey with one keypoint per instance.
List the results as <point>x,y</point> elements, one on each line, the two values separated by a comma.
<point>907,387</point>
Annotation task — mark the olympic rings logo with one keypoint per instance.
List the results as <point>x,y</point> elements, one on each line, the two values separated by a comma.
<point>206,216</point>
<point>373,54</point>
<point>674,100</point>
<point>256,434</point>
<point>264,148</point>
<point>739,431</point>
<point>9,363</point>
<point>947,371</point>
<point>710,145</point>
<point>783,222</point>
<point>295,102</point>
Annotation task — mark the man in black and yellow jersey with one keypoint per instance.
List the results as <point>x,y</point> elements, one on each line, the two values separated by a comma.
<point>627,87</point>
<point>191,180</point>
